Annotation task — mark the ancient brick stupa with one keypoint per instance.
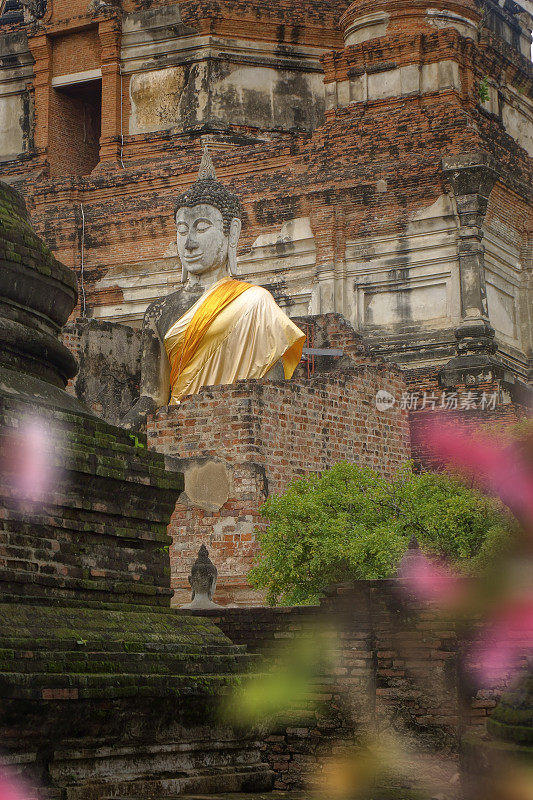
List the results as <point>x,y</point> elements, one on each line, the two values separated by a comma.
<point>104,691</point>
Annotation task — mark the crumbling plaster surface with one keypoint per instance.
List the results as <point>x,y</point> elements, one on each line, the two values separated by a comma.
<point>140,282</point>
<point>181,80</point>
<point>399,82</point>
<point>444,18</point>
<point>285,259</point>
<point>505,276</point>
<point>16,110</point>
<point>517,117</point>
<point>265,97</point>
<point>367,27</point>
<point>406,277</point>
<point>11,125</point>
<point>515,110</point>
<point>155,99</point>
<point>224,93</point>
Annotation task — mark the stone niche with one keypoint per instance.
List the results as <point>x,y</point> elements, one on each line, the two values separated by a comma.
<point>104,690</point>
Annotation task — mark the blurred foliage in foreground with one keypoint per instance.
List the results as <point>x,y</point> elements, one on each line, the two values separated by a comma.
<point>284,691</point>
<point>351,523</point>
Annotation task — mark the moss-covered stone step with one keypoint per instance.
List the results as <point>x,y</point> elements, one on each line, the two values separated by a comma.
<point>274,795</point>
<point>26,647</point>
<point>54,527</point>
<point>31,585</point>
<point>57,623</point>
<point>94,653</point>
<point>378,794</point>
<point>100,531</point>
<point>44,686</point>
<point>216,774</point>
<point>119,662</point>
<point>111,646</point>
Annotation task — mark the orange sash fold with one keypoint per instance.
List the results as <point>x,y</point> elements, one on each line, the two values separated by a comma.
<point>292,357</point>
<point>221,297</point>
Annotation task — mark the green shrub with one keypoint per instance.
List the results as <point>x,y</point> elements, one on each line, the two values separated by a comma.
<point>351,523</point>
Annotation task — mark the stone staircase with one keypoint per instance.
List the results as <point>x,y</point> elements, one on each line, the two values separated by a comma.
<point>68,677</point>
<point>84,648</point>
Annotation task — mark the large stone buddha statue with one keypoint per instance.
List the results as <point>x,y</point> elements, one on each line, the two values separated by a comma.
<point>215,329</point>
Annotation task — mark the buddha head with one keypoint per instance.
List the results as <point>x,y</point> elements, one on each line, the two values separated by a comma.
<point>208,224</point>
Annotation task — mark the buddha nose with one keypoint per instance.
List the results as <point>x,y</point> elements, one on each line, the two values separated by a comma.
<point>191,242</point>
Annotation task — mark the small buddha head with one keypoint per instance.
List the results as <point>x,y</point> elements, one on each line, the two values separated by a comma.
<point>208,224</point>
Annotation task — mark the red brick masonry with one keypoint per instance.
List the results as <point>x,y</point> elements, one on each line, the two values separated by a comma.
<point>260,435</point>
<point>396,668</point>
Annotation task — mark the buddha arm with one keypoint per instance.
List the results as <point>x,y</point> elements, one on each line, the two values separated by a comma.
<point>155,377</point>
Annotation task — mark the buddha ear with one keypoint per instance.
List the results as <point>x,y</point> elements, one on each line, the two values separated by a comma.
<point>184,273</point>
<point>233,240</point>
<point>234,232</point>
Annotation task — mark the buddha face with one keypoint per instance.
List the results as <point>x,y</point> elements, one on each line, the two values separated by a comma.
<point>202,244</point>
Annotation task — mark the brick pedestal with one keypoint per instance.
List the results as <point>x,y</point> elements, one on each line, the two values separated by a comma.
<point>239,444</point>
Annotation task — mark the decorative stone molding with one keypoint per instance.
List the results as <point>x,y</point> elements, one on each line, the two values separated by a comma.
<point>472,177</point>
<point>461,14</point>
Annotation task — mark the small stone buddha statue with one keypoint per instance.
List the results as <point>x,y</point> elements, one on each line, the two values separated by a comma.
<point>203,581</point>
<point>214,329</point>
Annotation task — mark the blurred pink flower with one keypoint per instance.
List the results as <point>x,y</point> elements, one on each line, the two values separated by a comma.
<point>13,788</point>
<point>502,471</point>
<point>427,579</point>
<point>503,643</point>
<point>27,459</point>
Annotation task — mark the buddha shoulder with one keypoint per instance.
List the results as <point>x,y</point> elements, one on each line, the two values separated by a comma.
<point>164,311</point>
<point>258,295</point>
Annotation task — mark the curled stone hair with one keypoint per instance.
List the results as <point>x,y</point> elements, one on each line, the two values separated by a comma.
<point>208,191</point>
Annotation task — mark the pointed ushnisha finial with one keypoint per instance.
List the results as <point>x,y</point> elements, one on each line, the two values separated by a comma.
<point>207,168</point>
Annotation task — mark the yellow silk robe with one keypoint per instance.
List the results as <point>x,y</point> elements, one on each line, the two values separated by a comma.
<point>245,339</point>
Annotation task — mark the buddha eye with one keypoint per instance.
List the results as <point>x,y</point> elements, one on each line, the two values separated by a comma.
<point>182,229</point>
<point>203,226</point>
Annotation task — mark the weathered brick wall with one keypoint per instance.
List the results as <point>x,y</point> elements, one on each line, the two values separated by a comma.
<point>476,421</point>
<point>395,666</point>
<point>239,444</point>
<point>76,51</point>
<point>490,406</point>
